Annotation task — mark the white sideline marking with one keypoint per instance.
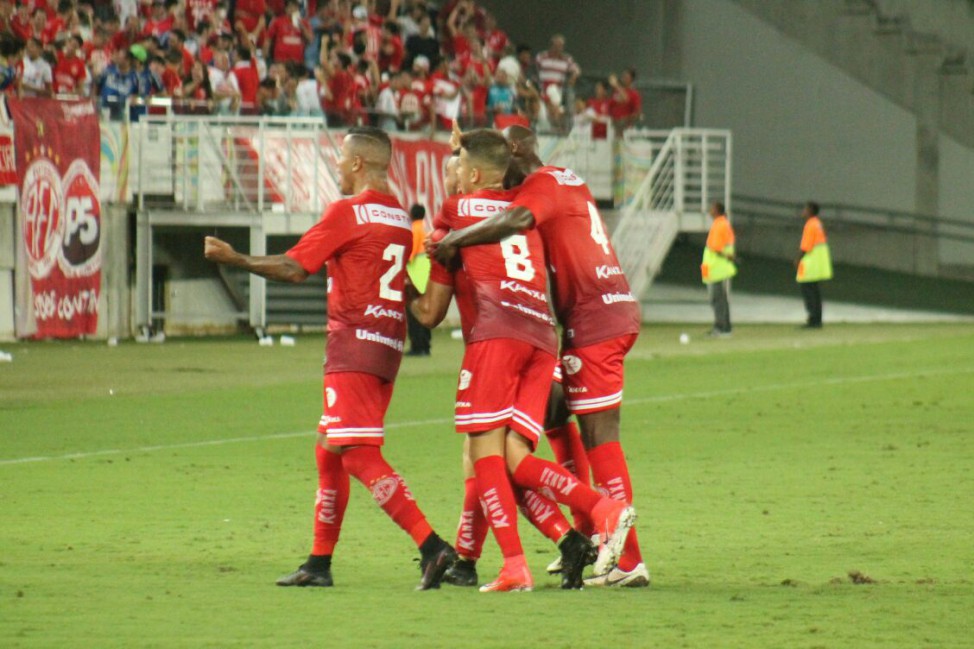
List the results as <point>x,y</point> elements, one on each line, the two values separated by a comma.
<point>449,420</point>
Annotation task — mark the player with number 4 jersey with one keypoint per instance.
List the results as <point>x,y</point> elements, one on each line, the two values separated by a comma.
<point>593,302</point>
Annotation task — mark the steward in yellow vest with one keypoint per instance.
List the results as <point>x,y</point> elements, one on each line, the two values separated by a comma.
<point>814,264</point>
<point>718,267</point>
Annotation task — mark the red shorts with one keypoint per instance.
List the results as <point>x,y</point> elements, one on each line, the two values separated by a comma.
<point>355,405</point>
<point>593,374</point>
<point>504,382</point>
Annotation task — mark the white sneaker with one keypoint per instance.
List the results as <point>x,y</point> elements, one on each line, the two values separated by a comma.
<point>613,540</point>
<point>554,567</point>
<point>638,577</point>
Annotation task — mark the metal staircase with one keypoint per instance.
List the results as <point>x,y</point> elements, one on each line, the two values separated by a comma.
<point>671,178</point>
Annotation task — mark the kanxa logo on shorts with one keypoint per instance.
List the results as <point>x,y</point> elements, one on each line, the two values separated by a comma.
<point>465,378</point>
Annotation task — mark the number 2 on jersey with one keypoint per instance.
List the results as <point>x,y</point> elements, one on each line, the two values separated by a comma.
<point>598,230</point>
<point>395,253</point>
<point>517,260</point>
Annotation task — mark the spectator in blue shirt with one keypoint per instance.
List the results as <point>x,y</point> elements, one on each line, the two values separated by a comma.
<point>118,83</point>
<point>500,96</point>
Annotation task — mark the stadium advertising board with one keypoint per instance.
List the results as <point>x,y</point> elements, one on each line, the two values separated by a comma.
<point>58,162</point>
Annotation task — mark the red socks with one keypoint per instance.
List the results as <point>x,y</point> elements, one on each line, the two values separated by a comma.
<point>566,443</point>
<point>388,489</point>
<point>497,500</point>
<point>472,530</point>
<point>551,480</point>
<point>543,514</point>
<point>330,502</point>
<point>611,475</point>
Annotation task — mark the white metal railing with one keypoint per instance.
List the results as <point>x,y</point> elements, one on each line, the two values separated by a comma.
<point>670,179</point>
<point>241,164</point>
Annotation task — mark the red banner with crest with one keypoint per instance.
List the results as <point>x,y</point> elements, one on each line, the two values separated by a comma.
<point>57,146</point>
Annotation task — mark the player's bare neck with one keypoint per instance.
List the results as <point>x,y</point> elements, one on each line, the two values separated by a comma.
<point>372,182</point>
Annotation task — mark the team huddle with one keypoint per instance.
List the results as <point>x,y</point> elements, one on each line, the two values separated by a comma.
<point>512,232</point>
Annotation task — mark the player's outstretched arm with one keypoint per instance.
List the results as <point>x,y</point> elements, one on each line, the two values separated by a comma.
<point>280,268</point>
<point>489,230</point>
<point>430,308</point>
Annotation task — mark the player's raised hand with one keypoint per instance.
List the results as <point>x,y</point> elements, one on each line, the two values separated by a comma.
<point>217,250</point>
<point>455,136</point>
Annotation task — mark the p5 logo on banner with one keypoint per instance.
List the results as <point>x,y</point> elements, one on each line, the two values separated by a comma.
<point>58,147</point>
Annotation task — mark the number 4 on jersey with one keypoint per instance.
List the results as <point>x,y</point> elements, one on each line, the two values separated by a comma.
<point>598,230</point>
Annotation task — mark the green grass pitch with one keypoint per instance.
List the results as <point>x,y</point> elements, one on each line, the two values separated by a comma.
<point>151,494</point>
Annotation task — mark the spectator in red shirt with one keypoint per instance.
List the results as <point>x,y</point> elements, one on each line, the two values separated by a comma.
<point>198,91</point>
<point>198,11</point>
<point>288,35</point>
<point>70,73</point>
<point>21,24</point>
<point>98,53</point>
<point>249,22</point>
<point>495,40</point>
<point>340,95</point>
<point>477,78</point>
<point>391,51</point>
<point>172,78</point>
<point>127,37</point>
<point>598,108</point>
<point>38,21</point>
<point>177,43</point>
<point>160,22</point>
<point>626,106</point>
<point>246,78</point>
<point>57,26</point>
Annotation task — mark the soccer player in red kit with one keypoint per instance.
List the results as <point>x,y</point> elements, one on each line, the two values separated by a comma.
<point>364,241</point>
<point>507,368</point>
<point>430,308</point>
<point>593,302</point>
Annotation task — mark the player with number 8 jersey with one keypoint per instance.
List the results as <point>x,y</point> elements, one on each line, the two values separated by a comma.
<point>509,282</point>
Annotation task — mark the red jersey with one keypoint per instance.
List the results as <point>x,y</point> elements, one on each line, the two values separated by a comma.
<point>365,242</point>
<point>629,108</point>
<point>22,29</point>
<point>288,40</point>
<point>51,30</point>
<point>496,41</point>
<point>199,10</point>
<point>249,13</point>
<point>158,28</point>
<point>592,296</point>
<point>69,74</point>
<point>507,279</point>
<point>245,72</point>
<point>391,54</point>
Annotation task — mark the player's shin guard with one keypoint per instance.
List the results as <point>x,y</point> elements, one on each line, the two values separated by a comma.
<point>566,444</point>
<point>388,489</point>
<point>611,476</point>
<point>472,530</point>
<point>497,500</point>
<point>330,502</point>
<point>543,514</point>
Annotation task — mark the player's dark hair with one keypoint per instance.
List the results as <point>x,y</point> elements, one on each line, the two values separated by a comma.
<point>719,207</point>
<point>374,135</point>
<point>417,212</point>
<point>813,207</point>
<point>487,146</point>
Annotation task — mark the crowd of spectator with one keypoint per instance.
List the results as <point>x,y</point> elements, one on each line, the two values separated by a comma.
<point>401,64</point>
